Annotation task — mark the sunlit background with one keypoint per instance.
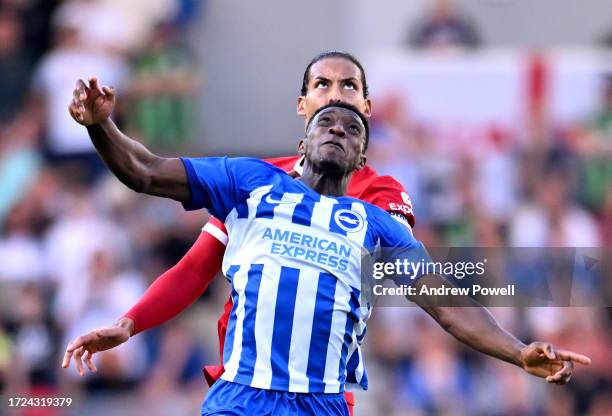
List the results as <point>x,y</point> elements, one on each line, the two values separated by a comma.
<point>496,116</point>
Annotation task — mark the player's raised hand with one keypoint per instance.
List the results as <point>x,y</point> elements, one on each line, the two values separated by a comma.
<point>542,360</point>
<point>84,347</point>
<point>91,104</point>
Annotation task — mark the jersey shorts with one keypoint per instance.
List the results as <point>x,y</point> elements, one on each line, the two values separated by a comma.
<point>227,398</point>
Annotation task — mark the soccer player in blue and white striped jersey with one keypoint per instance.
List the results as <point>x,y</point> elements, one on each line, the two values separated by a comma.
<point>294,262</point>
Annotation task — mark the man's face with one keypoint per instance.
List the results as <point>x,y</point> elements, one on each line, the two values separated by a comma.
<point>335,141</point>
<point>333,80</point>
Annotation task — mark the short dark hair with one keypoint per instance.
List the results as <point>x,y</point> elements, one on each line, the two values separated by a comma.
<point>349,107</point>
<point>334,54</point>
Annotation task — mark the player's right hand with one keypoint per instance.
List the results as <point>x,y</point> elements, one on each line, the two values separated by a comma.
<point>91,104</point>
<point>84,347</point>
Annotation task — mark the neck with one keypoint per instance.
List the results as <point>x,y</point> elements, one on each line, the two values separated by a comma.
<point>325,182</point>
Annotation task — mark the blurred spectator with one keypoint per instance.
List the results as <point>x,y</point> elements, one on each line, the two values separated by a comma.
<point>35,336</point>
<point>35,17</point>
<point>79,228</point>
<point>71,59</point>
<point>102,27</point>
<point>444,27</point>
<point>15,65</point>
<point>175,379</point>
<point>110,290</point>
<point>553,219</point>
<point>20,160</point>
<point>162,90</point>
<point>595,148</point>
<point>21,252</point>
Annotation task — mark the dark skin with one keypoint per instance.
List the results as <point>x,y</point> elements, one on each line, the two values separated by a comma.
<point>333,149</point>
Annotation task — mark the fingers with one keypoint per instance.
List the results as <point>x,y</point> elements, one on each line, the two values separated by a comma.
<point>573,356</point>
<point>66,360</point>
<point>563,375</point>
<point>78,356</point>
<point>88,357</point>
<point>82,87</point>
<point>109,91</point>
<point>75,112</point>
<point>93,84</point>
<point>545,348</point>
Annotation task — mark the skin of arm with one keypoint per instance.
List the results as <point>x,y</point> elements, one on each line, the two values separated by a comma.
<point>469,322</point>
<point>137,167</point>
<point>132,163</point>
<point>473,325</point>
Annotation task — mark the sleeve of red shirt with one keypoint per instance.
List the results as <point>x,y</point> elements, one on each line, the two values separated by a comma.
<point>181,285</point>
<point>383,191</point>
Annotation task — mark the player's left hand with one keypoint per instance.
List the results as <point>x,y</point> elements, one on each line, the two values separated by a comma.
<point>542,359</point>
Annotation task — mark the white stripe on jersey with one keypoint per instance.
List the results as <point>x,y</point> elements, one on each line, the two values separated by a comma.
<point>285,210</point>
<point>300,336</point>
<point>264,325</point>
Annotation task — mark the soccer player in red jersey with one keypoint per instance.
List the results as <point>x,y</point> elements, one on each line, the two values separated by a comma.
<point>329,77</point>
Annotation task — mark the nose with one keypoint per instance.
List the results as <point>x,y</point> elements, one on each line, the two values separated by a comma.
<point>337,130</point>
<point>335,95</point>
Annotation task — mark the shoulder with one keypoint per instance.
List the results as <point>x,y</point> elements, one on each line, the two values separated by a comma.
<point>383,191</point>
<point>387,225</point>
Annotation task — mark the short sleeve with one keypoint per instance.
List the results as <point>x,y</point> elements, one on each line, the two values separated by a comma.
<point>212,185</point>
<point>222,183</point>
<point>399,246</point>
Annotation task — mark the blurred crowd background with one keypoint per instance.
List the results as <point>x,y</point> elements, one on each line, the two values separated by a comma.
<point>496,146</point>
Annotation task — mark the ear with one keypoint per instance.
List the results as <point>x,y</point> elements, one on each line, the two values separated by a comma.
<point>368,108</point>
<point>301,147</point>
<point>301,102</point>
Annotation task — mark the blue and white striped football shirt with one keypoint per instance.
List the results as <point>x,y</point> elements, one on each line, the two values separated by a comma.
<point>294,262</point>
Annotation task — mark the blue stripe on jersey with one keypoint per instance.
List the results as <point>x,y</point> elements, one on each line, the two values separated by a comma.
<point>242,209</point>
<point>302,213</point>
<point>246,365</point>
<point>283,325</point>
<point>352,364</point>
<point>351,319</point>
<point>265,209</point>
<point>321,329</point>
<point>231,326</point>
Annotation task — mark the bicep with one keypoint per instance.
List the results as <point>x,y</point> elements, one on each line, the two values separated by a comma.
<point>168,178</point>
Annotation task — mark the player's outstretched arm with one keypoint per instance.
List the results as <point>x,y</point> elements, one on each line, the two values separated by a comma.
<point>131,162</point>
<point>85,346</point>
<point>472,324</point>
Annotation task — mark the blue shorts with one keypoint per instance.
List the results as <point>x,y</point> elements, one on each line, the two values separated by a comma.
<point>227,398</point>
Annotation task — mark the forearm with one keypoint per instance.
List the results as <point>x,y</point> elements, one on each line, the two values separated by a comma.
<point>128,159</point>
<point>470,323</point>
<point>477,328</point>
